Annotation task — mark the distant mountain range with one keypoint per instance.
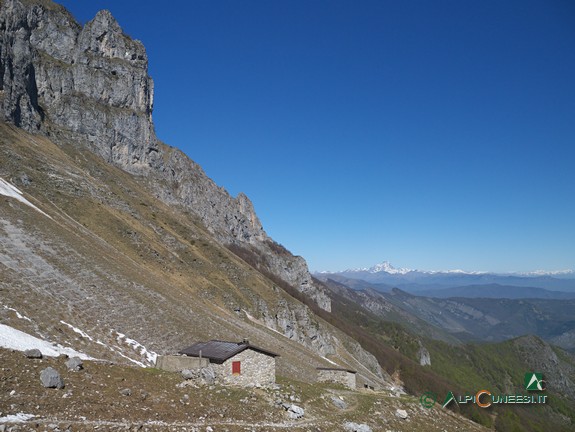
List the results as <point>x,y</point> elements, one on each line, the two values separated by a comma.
<point>384,276</point>
<point>469,319</point>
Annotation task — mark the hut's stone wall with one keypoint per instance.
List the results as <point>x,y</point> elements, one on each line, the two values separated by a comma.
<point>255,369</point>
<point>338,376</point>
<point>178,363</point>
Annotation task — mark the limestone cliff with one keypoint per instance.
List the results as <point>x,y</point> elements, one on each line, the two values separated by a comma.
<point>90,85</point>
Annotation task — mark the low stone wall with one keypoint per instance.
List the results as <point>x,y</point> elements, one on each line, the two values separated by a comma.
<point>338,376</point>
<point>179,363</point>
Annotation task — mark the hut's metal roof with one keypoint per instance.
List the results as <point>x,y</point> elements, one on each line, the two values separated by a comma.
<point>220,351</point>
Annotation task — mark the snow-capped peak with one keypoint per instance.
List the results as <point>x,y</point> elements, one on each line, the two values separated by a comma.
<point>388,268</point>
<point>382,267</point>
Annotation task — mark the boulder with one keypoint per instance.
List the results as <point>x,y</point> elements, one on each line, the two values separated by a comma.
<point>74,364</point>
<point>33,353</point>
<point>356,427</point>
<point>402,414</point>
<point>208,375</point>
<point>189,374</point>
<point>51,378</point>
<point>338,402</point>
<point>295,412</point>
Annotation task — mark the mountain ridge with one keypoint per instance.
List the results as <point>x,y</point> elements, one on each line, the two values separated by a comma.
<point>416,281</point>
<point>387,267</point>
<point>90,85</point>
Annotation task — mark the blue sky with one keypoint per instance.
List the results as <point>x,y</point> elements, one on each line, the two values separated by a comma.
<point>432,134</point>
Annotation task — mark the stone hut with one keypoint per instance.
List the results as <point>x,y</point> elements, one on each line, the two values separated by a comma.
<point>346,377</point>
<point>236,363</point>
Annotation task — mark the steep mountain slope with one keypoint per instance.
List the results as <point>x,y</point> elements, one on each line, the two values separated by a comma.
<point>132,240</point>
<point>102,255</point>
<point>89,85</point>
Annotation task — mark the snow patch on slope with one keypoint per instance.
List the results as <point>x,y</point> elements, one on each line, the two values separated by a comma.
<point>12,338</point>
<point>120,337</point>
<point>150,356</point>
<point>18,314</point>
<point>17,418</point>
<point>9,190</point>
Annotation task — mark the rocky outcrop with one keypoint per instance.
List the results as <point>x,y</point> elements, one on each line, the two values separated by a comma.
<point>90,85</point>
<point>423,356</point>
<point>294,270</point>
<point>90,81</point>
<point>229,219</point>
<point>296,322</point>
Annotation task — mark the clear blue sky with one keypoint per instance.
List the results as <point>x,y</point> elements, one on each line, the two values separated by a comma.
<point>433,134</point>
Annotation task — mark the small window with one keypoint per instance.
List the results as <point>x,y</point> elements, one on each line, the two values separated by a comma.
<point>236,368</point>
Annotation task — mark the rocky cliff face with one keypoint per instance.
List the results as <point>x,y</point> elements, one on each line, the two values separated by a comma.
<point>90,85</point>
<point>91,81</point>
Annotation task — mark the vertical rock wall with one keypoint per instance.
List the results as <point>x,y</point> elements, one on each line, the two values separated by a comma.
<point>91,85</point>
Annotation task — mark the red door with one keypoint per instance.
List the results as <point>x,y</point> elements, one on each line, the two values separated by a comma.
<point>236,368</point>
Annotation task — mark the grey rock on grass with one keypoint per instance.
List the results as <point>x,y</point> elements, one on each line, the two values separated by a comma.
<point>356,427</point>
<point>295,412</point>
<point>51,378</point>
<point>33,353</point>
<point>402,414</point>
<point>74,364</point>
<point>338,402</point>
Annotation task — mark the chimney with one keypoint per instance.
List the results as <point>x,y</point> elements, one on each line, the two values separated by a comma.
<point>246,341</point>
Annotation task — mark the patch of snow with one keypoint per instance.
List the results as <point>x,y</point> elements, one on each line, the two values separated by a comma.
<point>18,314</point>
<point>150,356</point>
<point>99,342</point>
<point>9,190</point>
<point>139,363</point>
<point>86,335</point>
<point>332,362</point>
<point>12,338</point>
<point>77,330</point>
<point>388,268</point>
<point>378,268</point>
<point>17,418</point>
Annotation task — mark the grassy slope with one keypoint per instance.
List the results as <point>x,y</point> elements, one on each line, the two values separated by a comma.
<point>113,257</point>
